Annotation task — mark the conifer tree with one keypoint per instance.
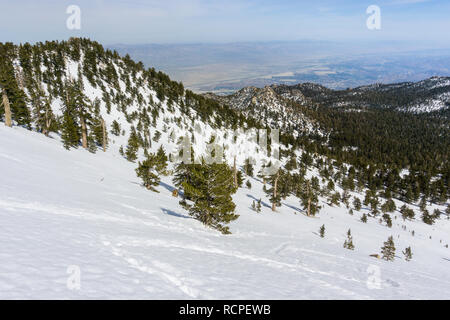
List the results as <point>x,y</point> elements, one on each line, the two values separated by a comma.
<point>407,213</point>
<point>6,106</point>
<point>248,167</point>
<point>322,231</point>
<point>407,253</point>
<point>348,243</point>
<point>388,220</point>
<point>258,206</point>
<point>272,192</point>
<point>309,199</point>
<point>13,98</point>
<point>388,250</point>
<point>133,146</point>
<point>161,165</point>
<point>427,217</point>
<point>388,206</point>
<point>70,133</point>
<point>210,187</point>
<point>147,171</point>
<point>364,218</point>
<point>357,204</point>
<point>42,112</point>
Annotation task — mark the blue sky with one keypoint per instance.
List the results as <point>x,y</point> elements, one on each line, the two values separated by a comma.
<point>184,21</point>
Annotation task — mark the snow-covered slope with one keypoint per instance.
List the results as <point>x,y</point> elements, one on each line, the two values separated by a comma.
<point>63,210</point>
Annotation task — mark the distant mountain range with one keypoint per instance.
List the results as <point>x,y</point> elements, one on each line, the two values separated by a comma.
<point>430,95</point>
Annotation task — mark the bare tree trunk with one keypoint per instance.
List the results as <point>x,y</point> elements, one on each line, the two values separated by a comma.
<point>275,185</point>
<point>309,200</point>
<point>83,132</point>
<point>235,173</point>
<point>104,135</point>
<point>48,122</point>
<point>309,207</point>
<point>8,121</point>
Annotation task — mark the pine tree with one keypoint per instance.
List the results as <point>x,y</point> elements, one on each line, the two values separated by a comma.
<point>70,133</point>
<point>182,175</point>
<point>13,98</point>
<point>148,173</point>
<point>210,188</point>
<point>406,212</point>
<point>388,206</point>
<point>273,193</point>
<point>248,167</point>
<point>309,199</point>
<point>248,184</point>
<point>364,218</point>
<point>42,112</point>
<point>388,220</point>
<point>6,106</point>
<point>357,204</point>
<point>427,217</point>
<point>388,250</point>
<point>407,253</point>
<point>258,206</point>
<point>253,205</point>
<point>133,146</point>
<point>115,128</point>
<point>161,165</point>
<point>322,231</point>
<point>348,243</point>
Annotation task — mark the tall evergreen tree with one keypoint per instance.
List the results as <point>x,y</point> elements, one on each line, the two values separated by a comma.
<point>388,250</point>
<point>210,188</point>
<point>147,171</point>
<point>348,243</point>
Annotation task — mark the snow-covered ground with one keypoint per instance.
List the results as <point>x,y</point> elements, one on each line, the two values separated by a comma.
<point>67,211</point>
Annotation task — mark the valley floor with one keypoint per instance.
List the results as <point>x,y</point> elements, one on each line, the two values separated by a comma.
<point>67,211</point>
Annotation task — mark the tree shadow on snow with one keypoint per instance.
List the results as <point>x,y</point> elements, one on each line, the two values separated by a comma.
<point>175,214</point>
<point>293,207</point>
<point>168,187</point>
<point>262,202</point>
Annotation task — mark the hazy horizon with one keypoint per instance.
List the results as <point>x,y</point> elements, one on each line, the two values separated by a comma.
<point>200,21</point>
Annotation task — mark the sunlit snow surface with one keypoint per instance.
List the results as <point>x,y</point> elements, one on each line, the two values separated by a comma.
<point>62,208</point>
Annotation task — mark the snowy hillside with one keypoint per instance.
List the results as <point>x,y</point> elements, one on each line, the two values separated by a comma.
<point>61,210</point>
